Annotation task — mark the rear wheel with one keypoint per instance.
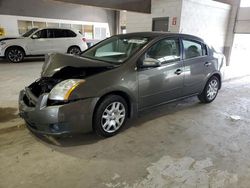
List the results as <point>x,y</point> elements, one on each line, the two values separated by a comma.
<point>74,50</point>
<point>210,91</point>
<point>15,54</point>
<point>110,116</point>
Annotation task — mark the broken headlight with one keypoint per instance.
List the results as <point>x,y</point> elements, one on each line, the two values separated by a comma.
<point>63,89</point>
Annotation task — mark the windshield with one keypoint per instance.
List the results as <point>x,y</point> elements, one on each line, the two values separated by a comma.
<point>28,33</point>
<point>116,49</point>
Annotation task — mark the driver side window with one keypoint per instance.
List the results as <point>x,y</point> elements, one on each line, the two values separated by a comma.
<point>41,34</point>
<point>165,51</point>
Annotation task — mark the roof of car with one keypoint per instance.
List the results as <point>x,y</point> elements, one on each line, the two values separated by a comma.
<point>55,28</point>
<point>162,34</point>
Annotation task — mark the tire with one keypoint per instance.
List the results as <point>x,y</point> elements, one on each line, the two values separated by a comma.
<point>15,54</point>
<point>210,91</point>
<point>110,115</point>
<point>75,50</point>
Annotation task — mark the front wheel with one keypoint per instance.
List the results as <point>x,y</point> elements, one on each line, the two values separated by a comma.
<point>110,115</point>
<point>15,54</point>
<point>210,91</point>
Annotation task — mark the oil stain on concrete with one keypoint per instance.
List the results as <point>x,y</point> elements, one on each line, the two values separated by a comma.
<point>182,172</point>
<point>7,114</point>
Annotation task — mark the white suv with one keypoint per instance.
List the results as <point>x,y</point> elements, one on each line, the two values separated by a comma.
<point>42,41</point>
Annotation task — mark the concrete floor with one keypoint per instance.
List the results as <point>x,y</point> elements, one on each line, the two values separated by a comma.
<point>184,144</point>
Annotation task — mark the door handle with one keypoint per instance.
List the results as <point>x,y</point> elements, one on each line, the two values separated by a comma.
<point>178,71</point>
<point>207,64</point>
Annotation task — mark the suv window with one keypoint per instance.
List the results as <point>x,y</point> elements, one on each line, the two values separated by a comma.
<point>44,33</point>
<point>41,33</point>
<point>70,33</point>
<point>28,33</point>
<point>63,33</point>
<point>165,51</point>
<point>192,49</point>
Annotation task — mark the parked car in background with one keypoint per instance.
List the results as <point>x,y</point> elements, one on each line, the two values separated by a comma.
<point>40,42</point>
<point>117,78</point>
<point>92,42</point>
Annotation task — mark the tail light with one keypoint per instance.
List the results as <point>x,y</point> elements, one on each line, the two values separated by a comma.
<point>83,39</point>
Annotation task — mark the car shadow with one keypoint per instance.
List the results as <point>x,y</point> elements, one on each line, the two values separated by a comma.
<point>26,60</point>
<point>143,117</point>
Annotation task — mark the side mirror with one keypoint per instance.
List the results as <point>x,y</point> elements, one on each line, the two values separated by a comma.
<point>34,36</point>
<point>150,62</point>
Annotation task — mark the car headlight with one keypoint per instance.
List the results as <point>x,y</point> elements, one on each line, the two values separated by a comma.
<point>63,89</point>
<point>2,43</point>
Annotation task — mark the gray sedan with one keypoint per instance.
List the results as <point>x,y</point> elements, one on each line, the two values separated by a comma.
<point>117,78</point>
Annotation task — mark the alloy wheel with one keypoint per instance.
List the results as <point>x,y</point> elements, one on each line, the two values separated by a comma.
<point>113,117</point>
<point>212,90</point>
<point>15,55</point>
<point>75,51</point>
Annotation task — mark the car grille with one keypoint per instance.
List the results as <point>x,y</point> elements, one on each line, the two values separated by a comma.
<point>43,85</point>
<point>27,101</point>
<point>36,89</point>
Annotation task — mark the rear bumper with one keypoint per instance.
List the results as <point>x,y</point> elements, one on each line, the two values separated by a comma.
<point>73,117</point>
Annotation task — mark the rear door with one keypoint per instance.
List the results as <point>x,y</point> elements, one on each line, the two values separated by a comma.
<point>161,84</point>
<point>196,66</point>
<point>64,38</point>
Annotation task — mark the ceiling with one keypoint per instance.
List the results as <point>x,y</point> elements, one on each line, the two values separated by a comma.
<point>231,2</point>
<point>143,6</point>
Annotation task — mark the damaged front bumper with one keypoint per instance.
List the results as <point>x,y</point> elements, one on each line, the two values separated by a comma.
<point>73,117</point>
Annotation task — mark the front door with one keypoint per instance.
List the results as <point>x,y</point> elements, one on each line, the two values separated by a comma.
<point>41,42</point>
<point>164,83</point>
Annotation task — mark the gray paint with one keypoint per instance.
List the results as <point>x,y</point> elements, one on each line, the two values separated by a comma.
<point>144,87</point>
<point>130,5</point>
<point>58,10</point>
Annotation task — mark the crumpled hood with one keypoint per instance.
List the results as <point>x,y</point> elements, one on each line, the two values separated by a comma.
<point>56,62</point>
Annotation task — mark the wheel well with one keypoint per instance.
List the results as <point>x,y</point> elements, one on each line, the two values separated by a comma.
<point>219,78</point>
<point>73,46</point>
<point>124,95</point>
<point>14,47</point>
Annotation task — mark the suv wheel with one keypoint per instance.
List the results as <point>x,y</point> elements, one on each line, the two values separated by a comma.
<point>74,50</point>
<point>110,116</point>
<point>210,91</point>
<point>15,54</point>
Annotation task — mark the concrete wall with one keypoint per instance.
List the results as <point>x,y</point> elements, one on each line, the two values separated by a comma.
<point>10,23</point>
<point>57,10</point>
<point>160,8</point>
<point>243,21</point>
<point>230,29</point>
<point>206,19</point>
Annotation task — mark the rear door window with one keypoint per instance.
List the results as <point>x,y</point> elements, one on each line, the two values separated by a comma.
<point>58,33</point>
<point>192,49</point>
<point>205,50</point>
<point>63,33</point>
